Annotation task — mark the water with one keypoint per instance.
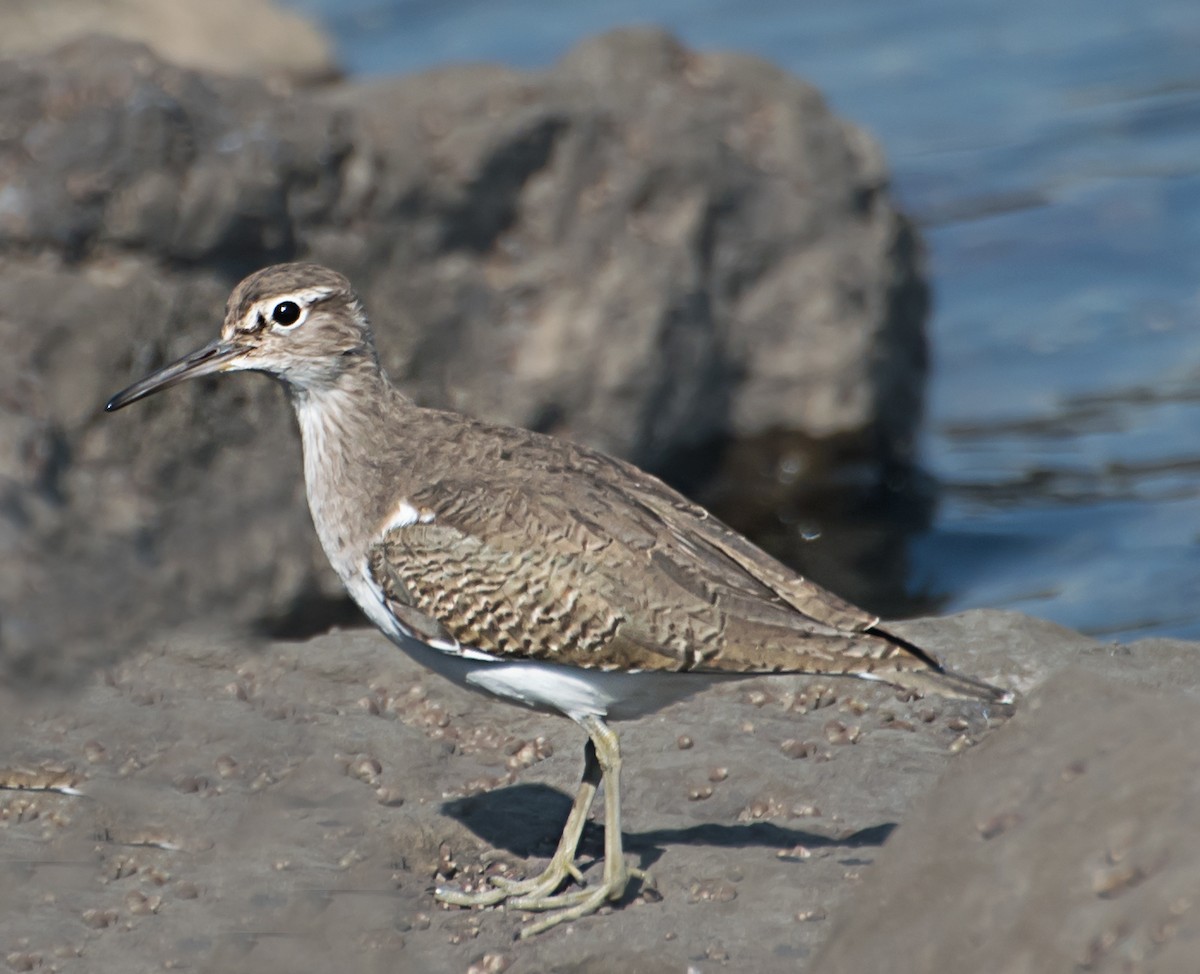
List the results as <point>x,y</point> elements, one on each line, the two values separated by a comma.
<point>1051,155</point>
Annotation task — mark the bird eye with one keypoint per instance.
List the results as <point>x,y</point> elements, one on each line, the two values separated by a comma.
<point>285,313</point>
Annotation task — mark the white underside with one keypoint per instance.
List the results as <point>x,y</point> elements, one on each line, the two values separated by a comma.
<point>569,690</point>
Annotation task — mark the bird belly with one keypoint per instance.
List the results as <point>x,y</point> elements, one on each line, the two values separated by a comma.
<point>572,691</point>
<point>577,692</point>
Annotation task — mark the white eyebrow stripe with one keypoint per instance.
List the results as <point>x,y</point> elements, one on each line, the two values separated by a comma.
<point>261,309</point>
<point>305,297</point>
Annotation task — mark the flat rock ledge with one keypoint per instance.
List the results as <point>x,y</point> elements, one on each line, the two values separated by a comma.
<point>288,806</point>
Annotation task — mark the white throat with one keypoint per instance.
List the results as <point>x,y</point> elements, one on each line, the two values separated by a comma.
<point>327,431</point>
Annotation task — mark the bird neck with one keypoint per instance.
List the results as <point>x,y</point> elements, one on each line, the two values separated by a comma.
<point>348,430</point>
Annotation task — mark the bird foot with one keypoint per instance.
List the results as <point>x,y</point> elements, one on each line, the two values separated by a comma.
<point>540,886</point>
<point>565,907</point>
<point>538,894</point>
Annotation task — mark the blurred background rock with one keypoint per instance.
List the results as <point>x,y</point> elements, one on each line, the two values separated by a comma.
<point>1048,155</point>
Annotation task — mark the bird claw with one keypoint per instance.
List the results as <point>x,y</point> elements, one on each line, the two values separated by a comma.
<point>537,894</point>
<point>566,907</point>
<point>515,891</point>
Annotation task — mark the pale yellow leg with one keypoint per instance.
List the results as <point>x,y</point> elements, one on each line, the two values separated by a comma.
<point>571,906</point>
<point>602,763</point>
<point>562,864</point>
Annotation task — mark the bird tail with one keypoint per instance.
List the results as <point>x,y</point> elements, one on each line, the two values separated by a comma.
<point>925,673</point>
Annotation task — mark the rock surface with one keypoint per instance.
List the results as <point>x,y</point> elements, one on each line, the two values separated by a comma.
<point>257,38</point>
<point>289,806</point>
<point>641,247</point>
<point>1065,843</point>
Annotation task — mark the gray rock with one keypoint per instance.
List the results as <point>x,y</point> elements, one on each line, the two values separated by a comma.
<point>283,806</point>
<point>1066,842</point>
<point>642,247</point>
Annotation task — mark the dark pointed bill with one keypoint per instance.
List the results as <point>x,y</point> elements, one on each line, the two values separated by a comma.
<point>213,357</point>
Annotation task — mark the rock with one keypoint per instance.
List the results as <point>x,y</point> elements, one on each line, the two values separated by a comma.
<point>666,248</point>
<point>287,806</point>
<point>1064,842</point>
<point>642,247</point>
<point>244,37</point>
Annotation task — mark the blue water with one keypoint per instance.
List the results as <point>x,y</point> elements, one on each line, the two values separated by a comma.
<point>1050,153</point>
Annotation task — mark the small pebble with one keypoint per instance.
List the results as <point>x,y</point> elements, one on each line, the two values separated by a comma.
<point>997,824</point>
<point>960,743</point>
<point>389,797</point>
<point>684,743</point>
<point>139,904</point>
<point>795,749</point>
<point>1108,883</point>
<point>463,935</point>
<point>130,766</point>
<point>121,867</point>
<point>99,919</point>
<point>491,963</point>
<point>187,891</point>
<point>366,768</point>
<point>191,784</point>
<point>838,733</point>
<point>712,891</point>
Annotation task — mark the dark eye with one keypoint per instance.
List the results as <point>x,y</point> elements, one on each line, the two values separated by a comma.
<point>285,313</point>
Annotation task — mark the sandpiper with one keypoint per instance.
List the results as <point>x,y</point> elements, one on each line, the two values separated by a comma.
<point>542,572</point>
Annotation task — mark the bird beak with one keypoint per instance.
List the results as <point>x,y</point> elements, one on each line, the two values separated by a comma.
<point>216,356</point>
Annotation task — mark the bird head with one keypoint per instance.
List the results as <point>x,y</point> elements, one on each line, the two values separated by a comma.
<point>301,323</point>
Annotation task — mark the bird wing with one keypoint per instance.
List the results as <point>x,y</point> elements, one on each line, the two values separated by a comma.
<point>612,569</point>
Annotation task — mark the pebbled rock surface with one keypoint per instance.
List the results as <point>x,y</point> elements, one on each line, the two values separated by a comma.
<point>284,806</point>
<point>642,247</point>
<point>1065,843</point>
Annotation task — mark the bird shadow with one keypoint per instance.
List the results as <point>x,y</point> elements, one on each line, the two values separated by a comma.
<point>526,820</point>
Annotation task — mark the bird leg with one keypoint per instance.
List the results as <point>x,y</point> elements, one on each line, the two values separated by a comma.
<point>562,864</point>
<point>602,763</point>
<point>605,749</point>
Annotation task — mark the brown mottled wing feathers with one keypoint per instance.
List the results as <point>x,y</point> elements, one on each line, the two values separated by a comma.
<point>615,570</point>
<point>502,599</point>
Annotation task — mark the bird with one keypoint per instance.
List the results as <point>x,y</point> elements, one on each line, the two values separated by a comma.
<point>540,571</point>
